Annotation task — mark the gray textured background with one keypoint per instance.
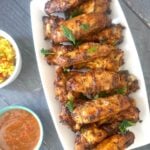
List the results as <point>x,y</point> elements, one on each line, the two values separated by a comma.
<point>27,89</point>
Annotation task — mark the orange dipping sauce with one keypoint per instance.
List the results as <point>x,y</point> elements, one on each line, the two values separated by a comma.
<point>19,130</point>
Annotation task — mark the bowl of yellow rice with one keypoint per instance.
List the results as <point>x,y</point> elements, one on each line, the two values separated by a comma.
<point>10,59</point>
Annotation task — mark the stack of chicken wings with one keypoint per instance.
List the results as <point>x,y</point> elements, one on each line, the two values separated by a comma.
<point>91,87</point>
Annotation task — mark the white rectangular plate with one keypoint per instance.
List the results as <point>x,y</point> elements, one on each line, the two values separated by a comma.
<point>132,64</point>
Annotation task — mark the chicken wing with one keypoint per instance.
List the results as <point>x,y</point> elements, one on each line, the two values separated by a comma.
<point>101,109</point>
<point>111,35</point>
<point>79,27</point>
<point>90,6</point>
<point>49,24</point>
<point>61,5</point>
<point>100,81</point>
<point>57,51</point>
<point>83,53</point>
<point>116,142</point>
<point>93,134</point>
<point>112,62</point>
<point>60,86</point>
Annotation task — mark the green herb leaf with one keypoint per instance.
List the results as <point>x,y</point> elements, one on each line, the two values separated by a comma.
<point>45,52</point>
<point>96,96</point>
<point>103,94</point>
<point>68,34</point>
<point>124,125</point>
<point>70,104</point>
<point>75,13</point>
<point>85,27</point>
<point>92,49</point>
<point>66,70</point>
<point>121,90</point>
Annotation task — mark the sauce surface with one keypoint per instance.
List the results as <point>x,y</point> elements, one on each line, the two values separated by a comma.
<point>19,130</point>
<point>7,59</point>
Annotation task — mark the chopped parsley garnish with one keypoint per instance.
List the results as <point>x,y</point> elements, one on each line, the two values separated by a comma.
<point>70,104</point>
<point>92,49</point>
<point>96,96</point>
<point>75,13</point>
<point>46,52</point>
<point>68,34</point>
<point>124,125</point>
<point>102,94</point>
<point>66,70</point>
<point>121,90</point>
<point>85,27</point>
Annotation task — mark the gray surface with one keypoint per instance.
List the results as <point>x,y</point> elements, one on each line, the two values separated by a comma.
<point>27,89</point>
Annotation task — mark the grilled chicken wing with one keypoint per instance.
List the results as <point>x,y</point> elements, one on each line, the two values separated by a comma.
<point>60,86</point>
<point>90,6</point>
<point>93,134</point>
<point>100,81</point>
<point>76,26</point>
<point>131,114</point>
<point>49,24</point>
<point>61,5</point>
<point>83,53</point>
<point>57,51</point>
<point>111,62</point>
<point>101,109</point>
<point>116,142</point>
<point>111,35</point>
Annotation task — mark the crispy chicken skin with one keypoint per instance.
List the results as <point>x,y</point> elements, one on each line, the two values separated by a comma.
<point>116,142</point>
<point>112,62</point>
<point>56,51</point>
<point>90,6</point>
<point>49,24</point>
<point>89,136</point>
<point>101,109</point>
<point>93,134</point>
<point>81,54</point>
<point>111,35</point>
<point>95,21</point>
<point>61,5</point>
<point>65,118</point>
<point>97,81</point>
<point>60,86</point>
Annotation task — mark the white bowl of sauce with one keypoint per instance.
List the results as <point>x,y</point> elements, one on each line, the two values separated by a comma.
<point>10,59</point>
<point>20,129</point>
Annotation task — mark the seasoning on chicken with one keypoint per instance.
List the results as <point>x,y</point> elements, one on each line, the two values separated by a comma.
<point>112,62</point>
<point>111,35</point>
<point>81,54</point>
<point>100,110</point>
<point>90,6</point>
<point>116,142</point>
<point>49,24</point>
<point>61,5</point>
<point>57,51</point>
<point>74,29</point>
<point>93,134</point>
<point>60,86</point>
<point>101,81</point>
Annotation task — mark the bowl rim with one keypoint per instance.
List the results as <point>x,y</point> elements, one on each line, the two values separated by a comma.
<point>18,64</point>
<point>8,108</point>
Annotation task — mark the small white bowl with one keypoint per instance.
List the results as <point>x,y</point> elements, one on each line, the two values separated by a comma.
<point>18,60</point>
<point>8,108</point>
